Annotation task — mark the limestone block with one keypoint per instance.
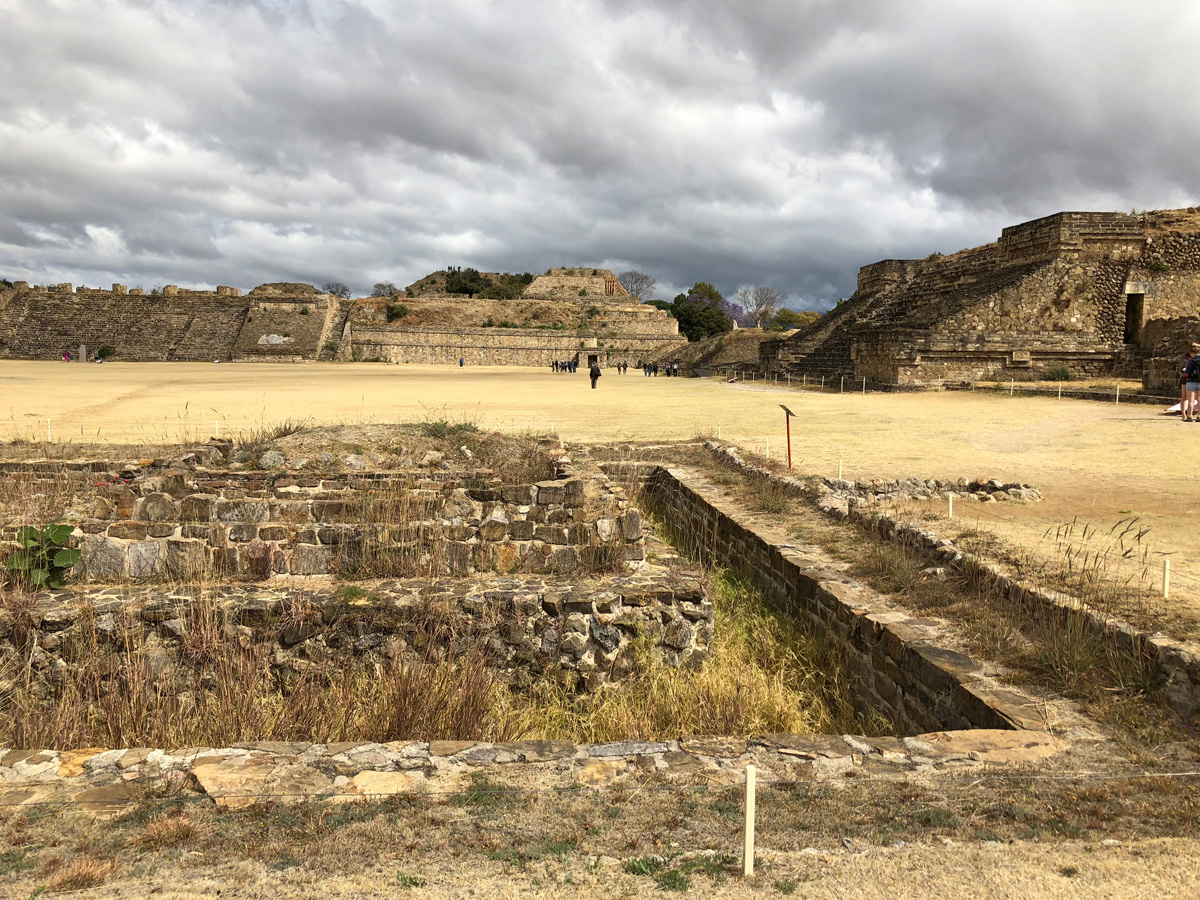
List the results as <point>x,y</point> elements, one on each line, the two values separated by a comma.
<point>631,525</point>
<point>129,531</point>
<point>606,529</point>
<point>580,535</point>
<point>103,559</point>
<point>257,560</point>
<point>549,492</point>
<point>337,511</point>
<point>186,557</point>
<point>242,532</point>
<point>608,637</point>
<point>573,492</point>
<point>143,559</point>
<point>565,559</point>
<point>494,528</point>
<point>551,534</point>
<point>458,557</point>
<point>291,512</point>
<point>225,560</point>
<point>573,643</point>
<point>161,530</point>
<point>197,508</point>
<point>309,559</point>
<point>521,494</point>
<point>242,511</point>
<point>155,508</point>
<point>677,634</point>
<point>521,530</point>
<point>272,533</point>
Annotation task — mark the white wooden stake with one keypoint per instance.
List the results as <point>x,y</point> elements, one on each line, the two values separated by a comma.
<point>804,382</point>
<point>718,431</point>
<point>789,377</point>
<point>216,427</point>
<point>1118,400</point>
<point>839,470</point>
<point>748,847</point>
<point>864,386</point>
<point>1166,578</point>
<point>1012,383</point>
<point>1060,390</point>
<point>950,507</point>
<point>842,390</point>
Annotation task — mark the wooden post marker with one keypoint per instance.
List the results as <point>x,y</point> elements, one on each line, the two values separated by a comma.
<point>1060,390</point>
<point>1166,578</point>
<point>864,386</point>
<point>1117,402</point>
<point>842,390</point>
<point>748,848</point>
<point>950,507</point>
<point>1012,383</point>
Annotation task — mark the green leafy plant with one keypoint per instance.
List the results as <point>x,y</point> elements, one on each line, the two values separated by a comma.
<point>44,558</point>
<point>583,292</point>
<point>396,311</point>
<point>304,311</point>
<point>106,350</point>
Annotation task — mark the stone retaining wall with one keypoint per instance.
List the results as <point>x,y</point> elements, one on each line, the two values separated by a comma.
<point>108,783</point>
<point>579,632</point>
<point>175,523</point>
<point>899,672</point>
<point>1177,662</point>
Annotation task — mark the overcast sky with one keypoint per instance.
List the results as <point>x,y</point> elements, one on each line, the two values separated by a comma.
<point>204,142</point>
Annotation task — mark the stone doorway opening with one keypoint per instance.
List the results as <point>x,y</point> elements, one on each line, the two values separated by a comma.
<point>593,359</point>
<point>1134,306</point>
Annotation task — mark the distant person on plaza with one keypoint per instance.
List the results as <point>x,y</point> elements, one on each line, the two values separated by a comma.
<point>66,356</point>
<point>1183,364</point>
<point>594,374</point>
<point>461,362</point>
<point>1191,397</point>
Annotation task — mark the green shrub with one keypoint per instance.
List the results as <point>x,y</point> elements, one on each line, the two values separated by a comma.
<point>106,350</point>
<point>593,311</point>
<point>1057,373</point>
<point>331,346</point>
<point>304,310</point>
<point>43,558</point>
<point>583,292</point>
<point>396,311</point>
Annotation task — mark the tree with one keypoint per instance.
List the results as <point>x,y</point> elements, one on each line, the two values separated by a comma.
<point>383,289</point>
<point>638,285</point>
<point>760,302</point>
<point>466,281</point>
<point>337,288</point>
<point>699,312</point>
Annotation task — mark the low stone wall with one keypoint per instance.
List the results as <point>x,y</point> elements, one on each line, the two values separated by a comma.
<point>1177,662</point>
<point>580,632</point>
<point>108,783</point>
<point>501,346</point>
<point>899,672</point>
<point>255,525</point>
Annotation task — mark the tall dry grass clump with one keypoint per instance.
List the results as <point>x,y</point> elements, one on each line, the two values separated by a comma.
<point>766,674</point>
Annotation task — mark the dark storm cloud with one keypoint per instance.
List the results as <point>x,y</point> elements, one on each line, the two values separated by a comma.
<point>778,141</point>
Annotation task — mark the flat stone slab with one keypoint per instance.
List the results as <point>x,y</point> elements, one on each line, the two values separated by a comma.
<point>110,782</point>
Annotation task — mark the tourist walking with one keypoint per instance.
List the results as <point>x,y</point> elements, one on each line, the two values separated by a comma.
<point>1183,364</point>
<point>594,374</point>
<point>1191,397</point>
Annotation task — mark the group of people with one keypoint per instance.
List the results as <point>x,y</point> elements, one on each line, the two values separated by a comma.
<point>1189,385</point>
<point>567,365</point>
<point>650,370</point>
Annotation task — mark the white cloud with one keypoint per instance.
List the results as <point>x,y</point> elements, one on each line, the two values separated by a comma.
<point>234,142</point>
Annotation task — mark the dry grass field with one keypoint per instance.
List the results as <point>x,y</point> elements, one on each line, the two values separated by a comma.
<point>1100,462</point>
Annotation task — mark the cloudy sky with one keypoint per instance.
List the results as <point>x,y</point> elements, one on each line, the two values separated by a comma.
<point>204,142</point>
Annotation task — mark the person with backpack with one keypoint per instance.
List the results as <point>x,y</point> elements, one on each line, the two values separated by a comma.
<point>594,373</point>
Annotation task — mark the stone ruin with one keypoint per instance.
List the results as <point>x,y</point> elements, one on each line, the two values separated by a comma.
<point>551,577</point>
<point>1089,294</point>
<point>593,320</point>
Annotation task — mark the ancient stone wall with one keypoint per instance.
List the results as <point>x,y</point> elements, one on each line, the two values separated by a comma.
<point>899,673</point>
<point>501,346</point>
<point>194,524</point>
<point>1053,293</point>
<point>580,631</point>
<point>574,284</point>
<point>39,323</point>
<point>292,328</point>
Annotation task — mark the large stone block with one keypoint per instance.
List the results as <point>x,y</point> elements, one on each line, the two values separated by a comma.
<point>155,508</point>
<point>128,531</point>
<point>631,525</point>
<point>309,559</point>
<point>144,559</point>
<point>242,511</point>
<point>186,557</point>
<point>549,492</point>
<point>197,508</point>
<point>103,559</point>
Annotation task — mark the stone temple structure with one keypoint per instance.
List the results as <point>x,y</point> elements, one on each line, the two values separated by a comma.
<point>1092,293</point>
<point>577,314</point>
